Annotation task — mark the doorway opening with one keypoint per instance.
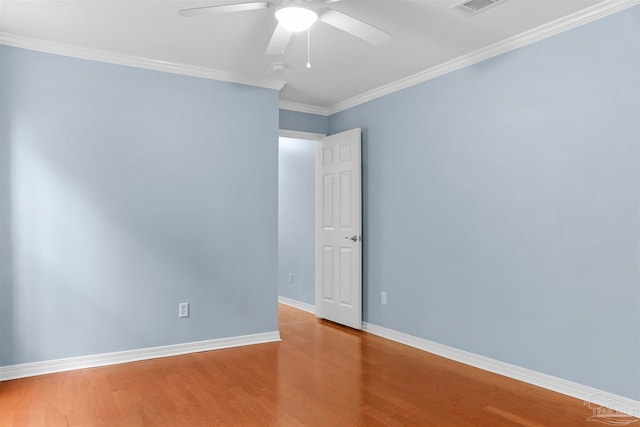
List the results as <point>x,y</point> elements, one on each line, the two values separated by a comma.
<point>296,220</point>
<point>320,226</point>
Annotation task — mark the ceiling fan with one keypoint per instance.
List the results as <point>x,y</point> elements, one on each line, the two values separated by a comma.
<point>298,15</point>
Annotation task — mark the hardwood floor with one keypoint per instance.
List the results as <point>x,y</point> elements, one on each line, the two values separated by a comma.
<point>320,374</point>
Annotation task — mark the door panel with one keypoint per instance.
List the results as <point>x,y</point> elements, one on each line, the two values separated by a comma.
<point>346,215</point>
<point>327,273</point>
<point>346,260</point>
<point>327,202</point>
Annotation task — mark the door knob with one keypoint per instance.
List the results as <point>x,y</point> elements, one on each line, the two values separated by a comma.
<point>354,238</point>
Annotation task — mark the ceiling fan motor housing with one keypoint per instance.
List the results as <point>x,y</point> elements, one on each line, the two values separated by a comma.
<point>296,15</point>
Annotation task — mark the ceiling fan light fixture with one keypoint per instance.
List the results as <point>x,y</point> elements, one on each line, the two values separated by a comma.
<point>296,18</point>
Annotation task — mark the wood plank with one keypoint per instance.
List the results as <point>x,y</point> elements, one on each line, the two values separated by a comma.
<point>374,382</point>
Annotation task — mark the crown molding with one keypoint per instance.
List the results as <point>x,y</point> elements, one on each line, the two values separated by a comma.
<point>605,8</point>
<point>55,48</point>
<point>593,13</point>
<point>304,108</point>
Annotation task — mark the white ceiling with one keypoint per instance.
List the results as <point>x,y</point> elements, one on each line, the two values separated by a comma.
<point>426,34</point>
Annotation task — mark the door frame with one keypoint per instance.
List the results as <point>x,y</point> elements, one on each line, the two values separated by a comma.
<point>309,136</point>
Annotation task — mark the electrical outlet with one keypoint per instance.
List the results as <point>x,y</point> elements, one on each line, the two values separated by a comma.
<point>383,298</point>
<point>290,277</point>
<point>183,309</point>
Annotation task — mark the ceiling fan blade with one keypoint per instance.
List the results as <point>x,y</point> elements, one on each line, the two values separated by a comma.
<point>223,8</point>
<point>279,41</point>
<point>356,27</point>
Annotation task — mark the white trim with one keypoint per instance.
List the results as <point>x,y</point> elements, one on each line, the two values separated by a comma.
<point>285,133</point>
<point>579,391</point>
<point>60,365</point>
<point>297,304</point>
<point>133,61</point>
<point>304,108</point>
<point>600,10</point>
<point>607,7</point>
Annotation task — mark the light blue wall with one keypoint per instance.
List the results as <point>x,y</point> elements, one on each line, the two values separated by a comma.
<point>5,220</point>
<point>303,122</point>
<point>296,219</point>
<point>501,206</point>
<point>132,191</point>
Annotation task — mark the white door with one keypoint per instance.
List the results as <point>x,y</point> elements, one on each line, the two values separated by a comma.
<point>339,229</point>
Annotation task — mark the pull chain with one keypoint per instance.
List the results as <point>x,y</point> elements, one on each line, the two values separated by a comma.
<point>309,48</point>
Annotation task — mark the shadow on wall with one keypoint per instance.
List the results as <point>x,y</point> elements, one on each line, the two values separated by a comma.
<point>6,253</point>
<point>88,246</point>
<point>296,213</point>
<point>126,192</point>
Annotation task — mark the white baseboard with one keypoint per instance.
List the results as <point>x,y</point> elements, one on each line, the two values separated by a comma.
<point>297,304</point>
<point>60,365</point>
<point>579,391</point>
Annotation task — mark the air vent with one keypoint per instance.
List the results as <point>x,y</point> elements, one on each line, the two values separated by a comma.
<point>471,7</point>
